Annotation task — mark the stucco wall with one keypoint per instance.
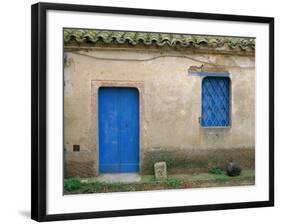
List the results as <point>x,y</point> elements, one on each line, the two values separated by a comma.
<point>171,103</point>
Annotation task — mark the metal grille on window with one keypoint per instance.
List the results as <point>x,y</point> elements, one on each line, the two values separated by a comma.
<point>215,102</point>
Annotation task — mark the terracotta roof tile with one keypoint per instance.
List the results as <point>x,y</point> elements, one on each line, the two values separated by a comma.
<point>160,39</point>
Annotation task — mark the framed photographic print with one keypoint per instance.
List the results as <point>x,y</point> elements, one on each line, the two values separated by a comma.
<point>140,111</point>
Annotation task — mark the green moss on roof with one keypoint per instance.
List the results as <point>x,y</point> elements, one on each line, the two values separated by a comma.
<point>92,36</point>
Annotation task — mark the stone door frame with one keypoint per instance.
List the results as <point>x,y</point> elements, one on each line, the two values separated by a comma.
<point>95,85</point>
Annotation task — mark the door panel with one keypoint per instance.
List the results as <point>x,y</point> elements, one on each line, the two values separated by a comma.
<point>108,132</point>
<point>118,130</point>
<point>128,129</point>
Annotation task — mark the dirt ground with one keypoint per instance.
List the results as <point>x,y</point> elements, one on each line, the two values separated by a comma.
<point>148,182</point>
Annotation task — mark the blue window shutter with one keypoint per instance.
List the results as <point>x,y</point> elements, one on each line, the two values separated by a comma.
<point>215,102</point>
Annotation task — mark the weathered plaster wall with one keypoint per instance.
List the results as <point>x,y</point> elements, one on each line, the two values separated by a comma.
<point>171,103</point>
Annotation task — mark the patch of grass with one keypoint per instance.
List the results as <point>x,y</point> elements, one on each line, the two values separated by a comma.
<point>201,177</point>
<point>107,187</point>
<point>208,177</point>
<point>147,178</point>
<point>221,178</point>
<point>216,170</point>
<point>72,184</point>
<point>247,174</point>
<point>173,182</point>
<point>148,182</point>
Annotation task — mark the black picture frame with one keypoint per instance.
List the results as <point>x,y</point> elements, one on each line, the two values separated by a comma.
<point>39,107</point>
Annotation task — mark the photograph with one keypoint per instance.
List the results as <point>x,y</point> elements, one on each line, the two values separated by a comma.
<point>146,111</point>
<point>140,111</point>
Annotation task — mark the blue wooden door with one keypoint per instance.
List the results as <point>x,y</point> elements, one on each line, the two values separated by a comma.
<point>118,130</point>
<point>215,102</point>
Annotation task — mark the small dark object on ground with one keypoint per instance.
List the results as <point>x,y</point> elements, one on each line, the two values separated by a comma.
<point>233,169</point>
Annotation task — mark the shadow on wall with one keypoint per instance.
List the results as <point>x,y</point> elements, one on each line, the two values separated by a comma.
<point>84,164</point>
<point>191,161</point>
